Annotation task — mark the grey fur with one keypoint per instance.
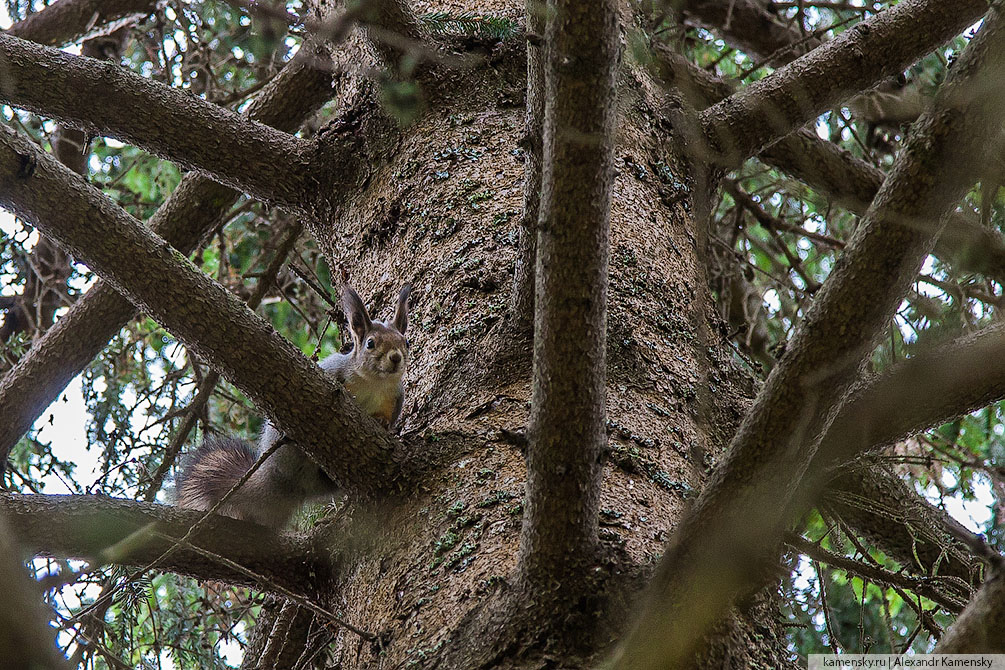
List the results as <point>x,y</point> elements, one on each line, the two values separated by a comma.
<point>372,375</point>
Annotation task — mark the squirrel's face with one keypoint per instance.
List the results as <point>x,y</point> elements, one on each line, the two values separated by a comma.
<point>382,352</point>
<point>379,348</point>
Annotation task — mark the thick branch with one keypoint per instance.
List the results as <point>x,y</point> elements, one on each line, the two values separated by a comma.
<point>126,532</point>
<point>173,124</point>
<point>884,45</point>
<point>304,402</point>
<point>68,20</point>
<point>567,419</point>
<point>195,208</point>
<point>927,390</point>
<point>749,26</point>
<point>981,627</point>
<point>717,551</point>
<point>26,641</point>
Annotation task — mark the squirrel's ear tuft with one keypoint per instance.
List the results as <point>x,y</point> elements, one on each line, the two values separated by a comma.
<point>355,314</point>
<point>400,321</point>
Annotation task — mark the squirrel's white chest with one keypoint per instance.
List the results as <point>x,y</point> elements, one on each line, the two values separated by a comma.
<point>376,397</point>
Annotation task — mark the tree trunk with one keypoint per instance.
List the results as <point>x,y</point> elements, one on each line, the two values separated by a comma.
<point>440,208</point>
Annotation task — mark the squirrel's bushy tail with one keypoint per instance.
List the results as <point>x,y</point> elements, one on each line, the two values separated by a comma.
<point>212,470</point>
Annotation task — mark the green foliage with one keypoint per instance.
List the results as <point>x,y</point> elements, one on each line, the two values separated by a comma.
<point>471,25</point>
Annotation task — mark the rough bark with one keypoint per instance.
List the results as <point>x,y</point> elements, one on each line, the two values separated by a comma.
<point>716,550</point>
<point>981,627</point>
<point>566,429</point>
<point>126,532</point>
<point>26,641</point>
<point>523,273</point>
<point>105,99</point>
<point>66,21</point>
<point>304,402</point>
<point>195,208</point>
<point>748,121</point>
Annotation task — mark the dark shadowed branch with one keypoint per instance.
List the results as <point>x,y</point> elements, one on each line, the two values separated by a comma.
<point>66,21</point>
<point>748,25</point>
<point>523,274</point>
<point>125,532</point>
<point>196,207</point>
<point>106,99</point>
<point>717,550</point>
<point>745,123</point>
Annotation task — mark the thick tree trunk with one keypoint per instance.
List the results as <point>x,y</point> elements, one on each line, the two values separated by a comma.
<point>440,207</point>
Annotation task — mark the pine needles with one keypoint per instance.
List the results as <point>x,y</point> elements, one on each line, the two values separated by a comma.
<point>470,25</point>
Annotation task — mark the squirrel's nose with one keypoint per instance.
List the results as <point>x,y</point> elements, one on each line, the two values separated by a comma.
<point>395,358</point>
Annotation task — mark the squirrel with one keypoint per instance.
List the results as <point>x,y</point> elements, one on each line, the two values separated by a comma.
<point>372,374</point>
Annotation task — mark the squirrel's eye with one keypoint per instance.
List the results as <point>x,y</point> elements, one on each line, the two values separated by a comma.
<point>369,343</point>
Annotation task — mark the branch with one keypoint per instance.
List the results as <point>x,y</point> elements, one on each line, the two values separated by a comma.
<point>173,124</point>
<point>890,515</point>
<point>824,166</point>
<point>526,258</point>
<point>981,627</point>
<point>717,551</point>
<point>853,183</point>
<point>68,20</point>
<point>299,398</point>
<point>884,45</point>
<point>567,419</point>
<point>126,532</point>
<point>196,207</point>
<point>749,26</point>
<point>924,586</point>
<point>926,390</point>
<point>26,640</point>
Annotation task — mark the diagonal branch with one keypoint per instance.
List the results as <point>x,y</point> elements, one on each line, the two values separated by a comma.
<point>567,419</point>
<point>196,207</point>
<point>718,550</point>
<point>66,21</point>
<point>303,401</point>
<point>745,123</point>
<point>173,124</point>
<point>126,532</point>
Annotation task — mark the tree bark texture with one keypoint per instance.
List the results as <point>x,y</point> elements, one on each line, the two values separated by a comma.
<point>567,427</point>
<point>65,21</point>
